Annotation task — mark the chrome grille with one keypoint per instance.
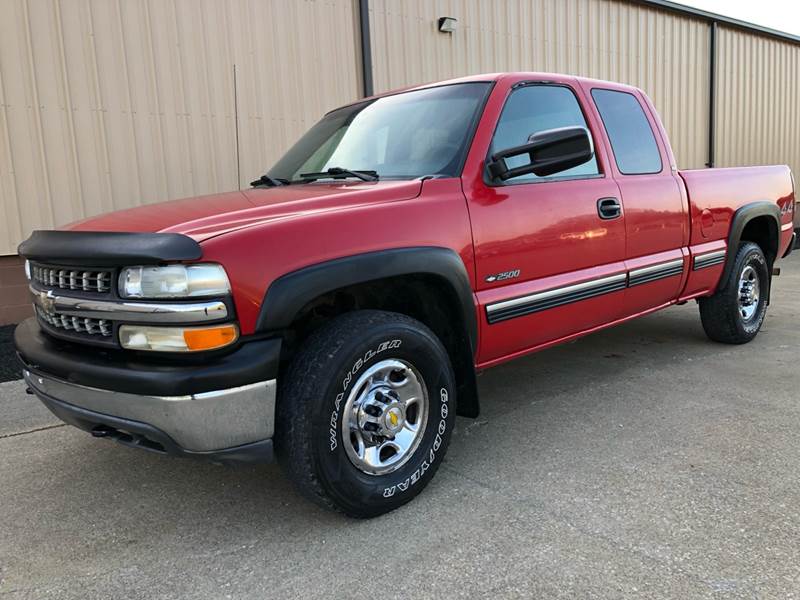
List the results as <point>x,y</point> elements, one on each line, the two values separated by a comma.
<point>101,327</point>
<point>66,278</point>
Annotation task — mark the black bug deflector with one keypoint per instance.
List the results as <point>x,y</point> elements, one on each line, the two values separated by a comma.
<point>106,248</point>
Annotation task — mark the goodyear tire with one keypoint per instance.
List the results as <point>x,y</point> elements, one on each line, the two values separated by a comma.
<point>365,412</point>
<point>735,313</point>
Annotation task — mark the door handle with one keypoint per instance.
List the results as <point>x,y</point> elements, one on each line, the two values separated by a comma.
<point>609,208</point>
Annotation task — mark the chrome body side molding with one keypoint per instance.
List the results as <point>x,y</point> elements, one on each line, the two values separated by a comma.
<point>654,272</point>
<point>709,259</point>
<point>531,303</point>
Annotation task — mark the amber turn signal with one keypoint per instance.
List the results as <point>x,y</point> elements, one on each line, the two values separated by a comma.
<point>210,338</point>
<point>177,339</point>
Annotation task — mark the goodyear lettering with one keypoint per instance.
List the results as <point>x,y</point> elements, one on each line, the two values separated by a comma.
<point>390,491</point>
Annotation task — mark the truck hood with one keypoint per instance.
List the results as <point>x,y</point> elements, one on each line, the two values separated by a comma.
<point>204,217</point>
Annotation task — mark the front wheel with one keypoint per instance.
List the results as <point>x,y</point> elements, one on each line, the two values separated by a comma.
<point>735,313</point>
<point>366,412</point>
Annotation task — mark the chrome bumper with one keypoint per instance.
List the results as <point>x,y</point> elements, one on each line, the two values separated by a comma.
<point>197,423</point>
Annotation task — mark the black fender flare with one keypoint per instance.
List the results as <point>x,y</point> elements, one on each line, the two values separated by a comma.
<point>292,291</point>
<point>288,294</point>
<point>741,218</point>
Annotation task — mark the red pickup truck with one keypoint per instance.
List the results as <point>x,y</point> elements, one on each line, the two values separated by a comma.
<point>338,311</point>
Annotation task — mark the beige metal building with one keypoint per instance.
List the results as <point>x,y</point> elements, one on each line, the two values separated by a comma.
<point>106,104</point>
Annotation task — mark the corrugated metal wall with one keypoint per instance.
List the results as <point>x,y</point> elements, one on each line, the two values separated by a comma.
<point>106,104</point>
<point>758,101</point>
<point>661,52</point>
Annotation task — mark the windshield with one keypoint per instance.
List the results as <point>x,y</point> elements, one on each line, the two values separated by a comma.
<point>407,135</point>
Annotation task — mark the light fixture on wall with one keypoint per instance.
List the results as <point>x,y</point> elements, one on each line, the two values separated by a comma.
<point>447,24</point>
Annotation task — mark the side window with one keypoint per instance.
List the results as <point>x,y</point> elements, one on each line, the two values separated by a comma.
<point>535,108</point>
<point>632,139</point>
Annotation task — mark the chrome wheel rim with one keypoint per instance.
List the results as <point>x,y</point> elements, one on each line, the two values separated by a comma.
<point>384,417</point>
<point>749,293</point>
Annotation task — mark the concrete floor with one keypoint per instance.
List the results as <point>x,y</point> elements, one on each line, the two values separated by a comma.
<point>643,461</point>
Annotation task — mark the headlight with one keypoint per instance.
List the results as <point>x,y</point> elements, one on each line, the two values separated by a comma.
<point>28,269</point>
<point>177,339</point>
<point>173,281</point>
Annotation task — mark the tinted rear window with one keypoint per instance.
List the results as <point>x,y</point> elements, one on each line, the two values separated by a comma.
<point>632,139</point>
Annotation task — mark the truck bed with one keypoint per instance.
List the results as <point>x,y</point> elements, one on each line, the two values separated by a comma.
<point>716,194</point>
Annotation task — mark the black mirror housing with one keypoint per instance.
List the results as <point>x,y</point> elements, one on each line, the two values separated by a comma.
<point>549,152</point>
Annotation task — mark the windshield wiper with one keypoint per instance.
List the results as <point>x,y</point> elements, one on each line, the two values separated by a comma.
<point>339,173</point>
<point>269,181</point>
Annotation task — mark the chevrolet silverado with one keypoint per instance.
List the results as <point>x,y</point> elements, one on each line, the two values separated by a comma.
<point>335,314</point>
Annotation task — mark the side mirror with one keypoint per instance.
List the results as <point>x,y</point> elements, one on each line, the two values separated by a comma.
<point>549,152</point>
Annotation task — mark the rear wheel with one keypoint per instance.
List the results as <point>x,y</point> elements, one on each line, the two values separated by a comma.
<point>366,412</point>
<point>735,313</point>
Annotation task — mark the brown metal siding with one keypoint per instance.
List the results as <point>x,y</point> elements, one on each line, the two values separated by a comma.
<point>758,101</point>
<point>663,53</point>
<point>15,299</point>
<point>106,104</point>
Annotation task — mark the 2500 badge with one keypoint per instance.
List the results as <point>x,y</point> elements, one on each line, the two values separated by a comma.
<point>502,276</point>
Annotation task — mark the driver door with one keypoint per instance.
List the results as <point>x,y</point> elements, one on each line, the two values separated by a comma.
<point>549,251</point>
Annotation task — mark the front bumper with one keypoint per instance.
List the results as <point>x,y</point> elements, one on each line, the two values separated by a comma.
<point>222,408</point>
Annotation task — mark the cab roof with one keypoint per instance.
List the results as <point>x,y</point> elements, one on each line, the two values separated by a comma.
<point>496,77</point>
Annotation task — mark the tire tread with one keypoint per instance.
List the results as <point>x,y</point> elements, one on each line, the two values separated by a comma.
<point>719,313</point>
<point>305,377</point>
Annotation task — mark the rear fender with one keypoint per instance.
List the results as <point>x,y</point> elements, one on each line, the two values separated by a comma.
<point>741,218</point>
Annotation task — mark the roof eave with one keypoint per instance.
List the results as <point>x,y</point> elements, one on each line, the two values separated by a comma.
<point>714,17</point>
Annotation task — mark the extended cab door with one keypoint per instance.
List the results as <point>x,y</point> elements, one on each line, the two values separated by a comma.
<point>549,251</point>
<point>656,207</point>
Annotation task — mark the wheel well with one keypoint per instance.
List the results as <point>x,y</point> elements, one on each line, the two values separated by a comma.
<point>426,298</point>
<point>761,230</point>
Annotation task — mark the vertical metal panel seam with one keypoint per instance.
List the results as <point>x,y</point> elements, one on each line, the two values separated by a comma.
<point>148,22</point>
<point>128,89</point>
<point>37,110</point>
<point>231,55</point>
<point>712,89</point>
<point>75,198</point>
<point>366,48</point>
<point>278,119</point>
<point>236,129</point>
<point>181,43</point>
<point>99,111</point>
<point>12,173</point>
<point>209,125</point>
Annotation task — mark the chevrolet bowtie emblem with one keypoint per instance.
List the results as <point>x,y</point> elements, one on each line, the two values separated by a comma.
<point>47,302</point>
